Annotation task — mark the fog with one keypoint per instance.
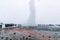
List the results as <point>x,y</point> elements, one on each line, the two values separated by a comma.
<point>17,11</point>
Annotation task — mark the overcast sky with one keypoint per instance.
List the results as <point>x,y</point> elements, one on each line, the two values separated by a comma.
<point>17,11</point>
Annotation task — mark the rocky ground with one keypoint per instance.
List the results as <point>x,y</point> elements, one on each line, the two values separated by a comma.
<point>23,34</point>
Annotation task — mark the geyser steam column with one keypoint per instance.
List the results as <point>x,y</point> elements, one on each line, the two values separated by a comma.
<point>31,21</point>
